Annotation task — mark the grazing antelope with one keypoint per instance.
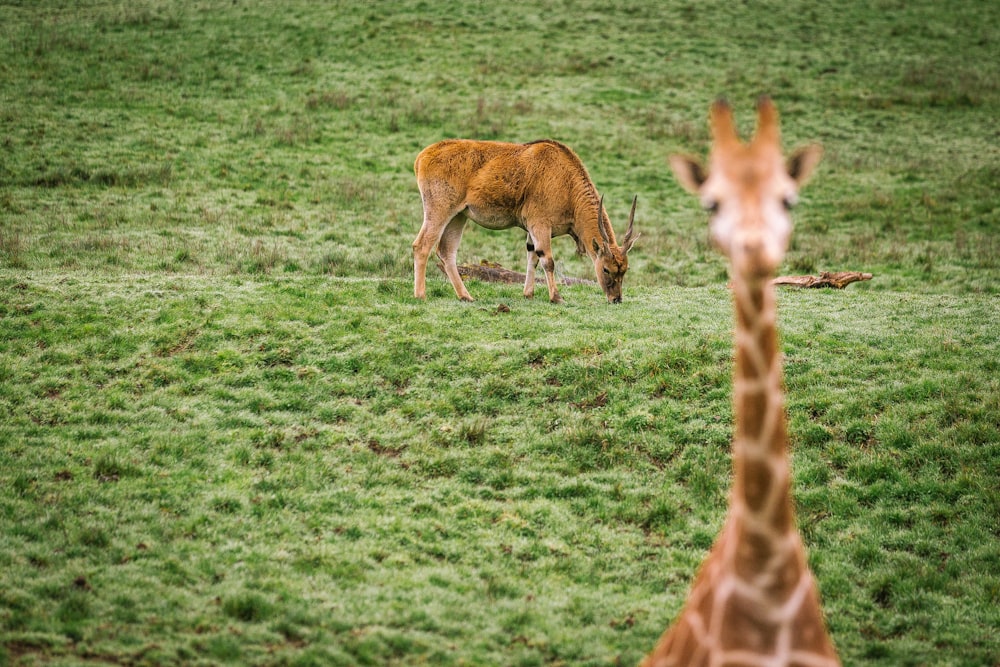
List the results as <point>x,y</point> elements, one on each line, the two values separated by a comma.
<point>754,601</point>
<point>541,187</point>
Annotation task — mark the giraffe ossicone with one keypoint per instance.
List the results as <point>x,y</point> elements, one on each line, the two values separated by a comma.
<point>754,601</point>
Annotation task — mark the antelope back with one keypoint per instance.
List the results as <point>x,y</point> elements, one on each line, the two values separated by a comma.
<point>450,166</point>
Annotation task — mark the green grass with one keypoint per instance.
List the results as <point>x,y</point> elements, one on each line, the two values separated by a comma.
<point>229,435</point>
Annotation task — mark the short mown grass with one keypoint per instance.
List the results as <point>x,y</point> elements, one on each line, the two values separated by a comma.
<point>229,434</point>
<point>260,470</point>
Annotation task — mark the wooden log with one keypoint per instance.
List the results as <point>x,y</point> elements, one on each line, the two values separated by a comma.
<point>838,280</point>
<point>491,272</point>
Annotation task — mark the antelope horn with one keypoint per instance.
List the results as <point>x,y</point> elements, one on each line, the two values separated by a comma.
<point>723,126</point>
<point>631,220</point>
<point>600,222</point>
<point>767,121</point>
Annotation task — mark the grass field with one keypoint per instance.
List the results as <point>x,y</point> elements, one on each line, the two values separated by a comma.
<point>230,435</point>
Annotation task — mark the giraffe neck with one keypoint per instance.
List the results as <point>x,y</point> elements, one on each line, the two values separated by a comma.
<point>755,601</point>
<point>761,485</point>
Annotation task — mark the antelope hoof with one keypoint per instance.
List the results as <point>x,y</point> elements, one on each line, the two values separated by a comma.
<point>466,298</point>
<point>557,299</point>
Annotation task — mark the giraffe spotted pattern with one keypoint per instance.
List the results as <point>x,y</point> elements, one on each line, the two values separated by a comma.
<point>754,602</point>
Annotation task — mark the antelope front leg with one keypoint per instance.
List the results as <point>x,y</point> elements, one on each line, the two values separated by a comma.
<point>549,265</point>
<point>543,251</point>
<point>529,279</point>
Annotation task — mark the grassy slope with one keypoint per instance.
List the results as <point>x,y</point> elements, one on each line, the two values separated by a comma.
<point>226,443</point>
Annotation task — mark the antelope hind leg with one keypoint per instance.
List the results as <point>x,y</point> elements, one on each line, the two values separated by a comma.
<point>448,252</point>
<point>436,219</point>
<point>420,255</point>
<point>426,239</point>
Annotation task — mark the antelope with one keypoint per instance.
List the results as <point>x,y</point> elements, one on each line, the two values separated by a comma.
<point>541,187</point>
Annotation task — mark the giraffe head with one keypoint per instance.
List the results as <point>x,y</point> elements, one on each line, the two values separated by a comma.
<point>748,188</point>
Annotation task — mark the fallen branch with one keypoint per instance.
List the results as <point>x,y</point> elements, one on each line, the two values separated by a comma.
<point>491,272</point>
<point>838,280</point>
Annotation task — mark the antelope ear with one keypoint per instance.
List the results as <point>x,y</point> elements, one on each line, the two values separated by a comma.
<point>597,246</point>
<point>802,163</point>
<point>689,172</point>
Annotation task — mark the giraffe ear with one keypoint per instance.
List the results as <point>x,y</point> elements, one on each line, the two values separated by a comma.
<point>689,172</point>
<point>802,163</point>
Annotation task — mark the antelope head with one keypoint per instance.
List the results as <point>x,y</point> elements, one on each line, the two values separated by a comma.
<point>610,259</point>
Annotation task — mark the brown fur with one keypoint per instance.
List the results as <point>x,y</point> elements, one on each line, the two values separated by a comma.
<point>541,187</point>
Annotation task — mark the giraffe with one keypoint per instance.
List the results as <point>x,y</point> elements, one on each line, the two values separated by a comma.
<point>754,602</point>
